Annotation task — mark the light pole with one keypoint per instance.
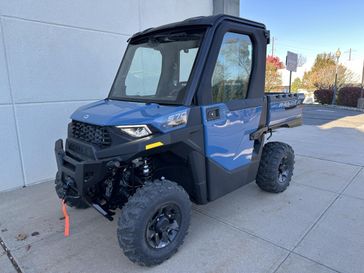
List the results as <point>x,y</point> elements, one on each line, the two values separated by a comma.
<point>337,54</point>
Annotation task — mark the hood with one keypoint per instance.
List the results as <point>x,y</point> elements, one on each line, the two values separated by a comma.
<point>113,112</point>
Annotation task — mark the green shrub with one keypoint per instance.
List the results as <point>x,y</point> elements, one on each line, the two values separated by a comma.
<point>324,96</point>
<point>349,96</point>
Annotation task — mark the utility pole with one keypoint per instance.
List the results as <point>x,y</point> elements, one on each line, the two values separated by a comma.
<point>272,46</point>
<point>349,54</point>
<point>362,82</point>
<point>362,76</point>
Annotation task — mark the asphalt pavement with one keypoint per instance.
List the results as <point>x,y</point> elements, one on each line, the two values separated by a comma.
<point>318,115</point>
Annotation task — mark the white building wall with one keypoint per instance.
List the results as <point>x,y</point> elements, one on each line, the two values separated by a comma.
<point>56,56</point>
<point>356,66</point>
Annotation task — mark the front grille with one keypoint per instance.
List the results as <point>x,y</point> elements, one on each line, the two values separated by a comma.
<point>98,135</point>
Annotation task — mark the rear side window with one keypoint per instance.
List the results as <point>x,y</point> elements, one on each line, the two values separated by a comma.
<point>230,79</point>
<point>186,60</point>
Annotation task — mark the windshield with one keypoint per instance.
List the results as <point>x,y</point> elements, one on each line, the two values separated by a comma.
<point>157,68</point>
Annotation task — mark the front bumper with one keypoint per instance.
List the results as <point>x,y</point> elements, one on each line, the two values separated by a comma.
<point>78,176</point>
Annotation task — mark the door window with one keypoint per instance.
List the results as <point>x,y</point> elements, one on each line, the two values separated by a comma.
<point>230,79</point>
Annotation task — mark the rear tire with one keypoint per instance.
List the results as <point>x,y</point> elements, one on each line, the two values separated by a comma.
<point>276,167</point>
<point>154,222</point>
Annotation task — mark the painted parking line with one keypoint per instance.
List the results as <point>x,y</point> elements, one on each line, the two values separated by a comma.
<point>323,110</point>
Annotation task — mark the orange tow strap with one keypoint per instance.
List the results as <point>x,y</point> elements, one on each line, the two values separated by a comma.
<point>66,219</point>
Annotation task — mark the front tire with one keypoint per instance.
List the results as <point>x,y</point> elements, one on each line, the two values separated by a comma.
<point>154,222</point>
<point>276,167</point>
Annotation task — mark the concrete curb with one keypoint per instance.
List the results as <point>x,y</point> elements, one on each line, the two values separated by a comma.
<point>336,107</point>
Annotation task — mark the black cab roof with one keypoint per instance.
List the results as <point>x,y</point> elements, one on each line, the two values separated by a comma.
<point>199,21</point>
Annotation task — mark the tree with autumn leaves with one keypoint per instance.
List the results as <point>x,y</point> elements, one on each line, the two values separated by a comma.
<point>322,73</point>
<point>273,79</point>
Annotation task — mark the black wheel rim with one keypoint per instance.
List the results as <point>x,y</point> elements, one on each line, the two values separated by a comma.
<point>163,227</point>
<point>283,170</point>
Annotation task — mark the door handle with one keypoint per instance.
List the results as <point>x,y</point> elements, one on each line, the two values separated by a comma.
<point>213,113</point>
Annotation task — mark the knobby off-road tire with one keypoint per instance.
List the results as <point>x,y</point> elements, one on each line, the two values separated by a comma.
<point>75,202</point>
<point>159,210</point>
<point>276,167</point>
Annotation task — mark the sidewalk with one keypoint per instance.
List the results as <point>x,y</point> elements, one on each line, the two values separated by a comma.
<point>314,226</point>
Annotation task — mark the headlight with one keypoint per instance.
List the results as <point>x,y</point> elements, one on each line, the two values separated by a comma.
<point>135,130</point>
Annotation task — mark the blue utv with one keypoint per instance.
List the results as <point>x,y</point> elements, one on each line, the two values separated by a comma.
<point>185,120</point>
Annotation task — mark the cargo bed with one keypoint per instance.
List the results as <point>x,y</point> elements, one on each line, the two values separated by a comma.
<point>284,109</point>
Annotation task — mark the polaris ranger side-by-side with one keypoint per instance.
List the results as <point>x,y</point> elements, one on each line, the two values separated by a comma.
<point>185,120</point>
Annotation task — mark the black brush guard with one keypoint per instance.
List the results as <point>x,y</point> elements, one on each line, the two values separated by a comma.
<point>80,177</point>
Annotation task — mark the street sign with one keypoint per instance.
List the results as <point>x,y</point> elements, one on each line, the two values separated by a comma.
<point>291,61</point>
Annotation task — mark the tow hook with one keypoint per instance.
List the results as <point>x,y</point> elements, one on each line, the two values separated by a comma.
<point>66,185</point>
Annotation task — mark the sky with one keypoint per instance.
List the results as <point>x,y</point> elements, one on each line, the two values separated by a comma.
<point>310,27</point>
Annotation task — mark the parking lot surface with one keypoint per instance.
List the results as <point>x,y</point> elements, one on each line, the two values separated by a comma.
<point>314,226</point>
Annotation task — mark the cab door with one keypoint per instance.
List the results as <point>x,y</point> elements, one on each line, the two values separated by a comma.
<point>234,111</point>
